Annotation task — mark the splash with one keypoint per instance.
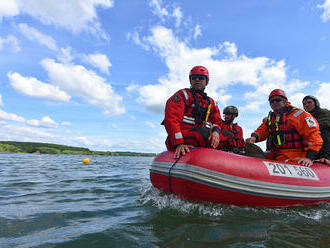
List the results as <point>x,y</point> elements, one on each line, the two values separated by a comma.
<point>162,201</point>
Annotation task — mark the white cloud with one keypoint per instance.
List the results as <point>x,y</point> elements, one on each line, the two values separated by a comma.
<point>65,55</point>
<point>253,106</point>
<point>277,81</point>
<point>149,124</point>
<point>65,123</point>
<point>326,10</point>
<point>198,32</point>
<point>77,81</point>
<point>177,14</point>
<point>32,134</point>
<point>11,42</point>
<point>98,60</point>
<point>65,137</point>
<point>83,140</point>
<point>10,117</point>
<point>230,49</point>
<point>164,13</point>
<point>132,87</point>
<point>260,73</point>
<point>134,36</point>
<point>75,16</point>
<point>158,10</point>
<point>94,143</point>
<point>8,8</point>
<point>35,35</point>
<point>31,86</point>
<point>114,126</point>
<point>35,134</point>
<point>45,121</point>
<point>1,103</point>
<point>296,99</point>
<point>323,95</point>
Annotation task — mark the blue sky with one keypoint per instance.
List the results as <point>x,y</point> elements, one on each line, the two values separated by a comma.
<point>97,73</point>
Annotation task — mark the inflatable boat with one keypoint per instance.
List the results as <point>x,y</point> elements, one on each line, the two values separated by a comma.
<point>221,177</point>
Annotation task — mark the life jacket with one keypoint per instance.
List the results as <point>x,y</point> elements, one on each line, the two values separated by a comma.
<point>196,111</point>
<point>282,135</point>
<point>235,134</point>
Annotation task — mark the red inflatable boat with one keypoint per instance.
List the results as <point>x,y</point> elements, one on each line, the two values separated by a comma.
<point>216,176</point>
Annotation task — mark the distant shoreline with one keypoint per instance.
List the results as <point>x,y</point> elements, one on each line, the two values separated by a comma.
<point>48,148</point>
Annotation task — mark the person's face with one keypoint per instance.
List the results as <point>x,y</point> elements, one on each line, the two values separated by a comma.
<point>198,82</point>
<point>229,117</point>
<point>309,105</point>
<point>277,102</point>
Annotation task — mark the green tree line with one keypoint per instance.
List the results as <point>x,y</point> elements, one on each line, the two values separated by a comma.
<point>47,148</point>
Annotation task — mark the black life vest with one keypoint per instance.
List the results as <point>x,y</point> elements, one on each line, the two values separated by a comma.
<point>195,110</point>
<point>282,135</point>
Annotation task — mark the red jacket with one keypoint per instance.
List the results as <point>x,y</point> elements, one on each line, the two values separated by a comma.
<point>180,113</point>
<point>237,133</point>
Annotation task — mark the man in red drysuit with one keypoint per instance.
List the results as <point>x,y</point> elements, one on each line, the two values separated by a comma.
<point>191,117</point>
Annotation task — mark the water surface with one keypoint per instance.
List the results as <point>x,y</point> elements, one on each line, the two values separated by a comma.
<point>57,201</point>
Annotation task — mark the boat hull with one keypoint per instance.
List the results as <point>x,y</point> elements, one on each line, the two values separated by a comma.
<point>221,177</point>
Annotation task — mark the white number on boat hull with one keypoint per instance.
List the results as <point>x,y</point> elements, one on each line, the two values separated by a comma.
<point>288,170</point>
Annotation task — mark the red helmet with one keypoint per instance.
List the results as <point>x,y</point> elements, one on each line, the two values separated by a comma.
<point>277,92</point>
<point>200,70</point>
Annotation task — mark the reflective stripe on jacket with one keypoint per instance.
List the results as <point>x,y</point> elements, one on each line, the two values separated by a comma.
<point>284,136</point>
<point>180,113</point>
<point>305,125</point>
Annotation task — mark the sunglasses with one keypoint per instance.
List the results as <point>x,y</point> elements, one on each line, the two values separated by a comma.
<point>276,100</point>
<point>199,77</point>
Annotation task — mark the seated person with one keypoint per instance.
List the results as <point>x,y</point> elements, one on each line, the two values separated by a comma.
<point>322,115</point>
<point>191,117</point>
<point>236,143</point>
<point>295,134</point>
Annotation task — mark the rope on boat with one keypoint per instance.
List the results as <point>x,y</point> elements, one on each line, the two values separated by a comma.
<point>169,171</point>
<point>169,174</point>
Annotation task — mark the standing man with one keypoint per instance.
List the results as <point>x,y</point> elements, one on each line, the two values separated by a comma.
<point>312,105</point>
<point>236,132</point>
<point>191,117</point>
<point>295,134</point>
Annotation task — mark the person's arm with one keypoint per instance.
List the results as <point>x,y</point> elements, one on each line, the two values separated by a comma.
<point>174,112</point>
<point>181,149</point>
<point>323,160</point>
<point>324,119</point>
<point>215,119</point>
<point>260,134</point>
<point>240,140</point>
<point>307,126</point>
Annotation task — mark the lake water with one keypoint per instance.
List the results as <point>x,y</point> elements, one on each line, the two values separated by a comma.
<point>56,201</point>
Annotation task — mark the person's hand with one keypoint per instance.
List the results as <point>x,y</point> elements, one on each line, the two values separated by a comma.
<point>303,161</point>
<point>214,139</point>
<point>323,160</point>
<point>251,140</point>
<point>181,149</point>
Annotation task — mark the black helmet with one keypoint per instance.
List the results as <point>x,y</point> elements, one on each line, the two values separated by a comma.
<point>230,110</point>
<point>317,103</point>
